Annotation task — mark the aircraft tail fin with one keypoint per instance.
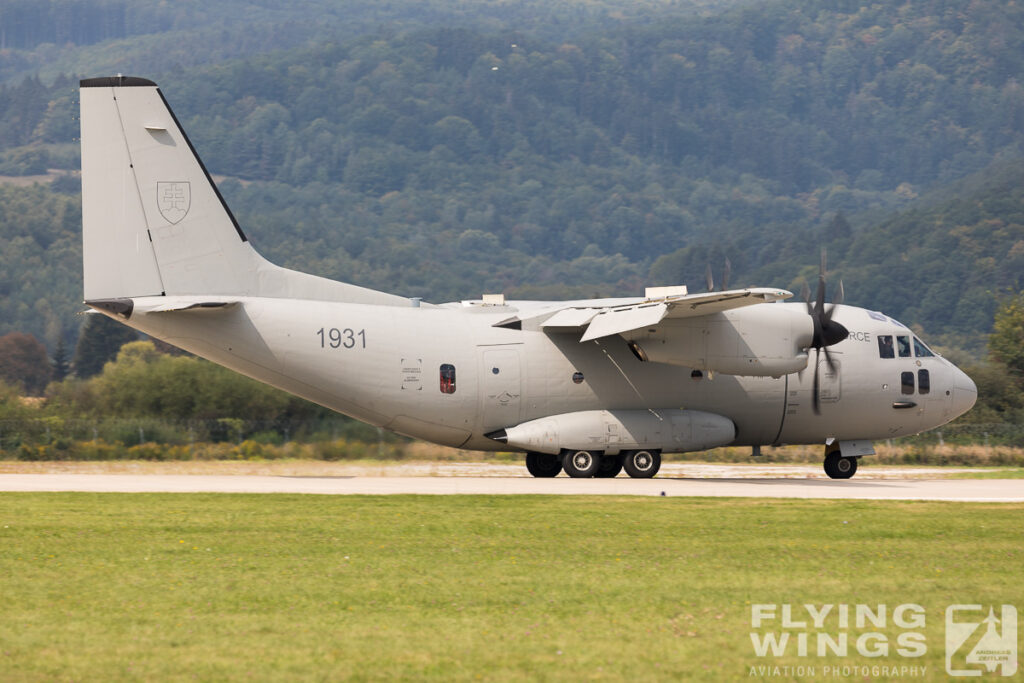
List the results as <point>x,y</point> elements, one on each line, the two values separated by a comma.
<point>154,222</point>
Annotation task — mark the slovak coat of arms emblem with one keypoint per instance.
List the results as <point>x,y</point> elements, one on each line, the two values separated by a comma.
<point>173,200</point>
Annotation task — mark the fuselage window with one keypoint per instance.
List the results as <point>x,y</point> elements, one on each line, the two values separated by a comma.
<point>924,382</point>
<point>885,348</point>
<point>447,379</point>
<point>920,350</point>
<point>907,382</point>
<point>904,345</point>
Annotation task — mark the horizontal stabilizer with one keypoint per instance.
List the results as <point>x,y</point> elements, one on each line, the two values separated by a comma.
<point>125,307</point>
<point>194,306</point>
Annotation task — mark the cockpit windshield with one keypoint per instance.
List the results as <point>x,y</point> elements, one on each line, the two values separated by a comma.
<point>903,341</point>
<point>906,346</point>
<point>920,350</point>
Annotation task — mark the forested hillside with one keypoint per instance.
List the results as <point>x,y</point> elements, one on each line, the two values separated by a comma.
<point>51,37</point>
<point>485,156</point>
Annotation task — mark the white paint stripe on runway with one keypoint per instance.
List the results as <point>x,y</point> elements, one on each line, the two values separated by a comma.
<point>975,490</point>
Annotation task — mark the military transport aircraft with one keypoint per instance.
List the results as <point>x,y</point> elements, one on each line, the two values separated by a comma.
<point>586,387</point>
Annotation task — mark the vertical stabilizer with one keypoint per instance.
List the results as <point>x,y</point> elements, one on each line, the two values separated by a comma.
<point>142,182</point>
<point>117,249</point>
<point>153,220</point>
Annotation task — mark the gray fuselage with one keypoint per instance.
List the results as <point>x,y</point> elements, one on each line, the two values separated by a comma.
<point>446,374</point>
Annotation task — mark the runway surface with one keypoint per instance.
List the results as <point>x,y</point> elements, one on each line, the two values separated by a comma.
<point>975,490</point>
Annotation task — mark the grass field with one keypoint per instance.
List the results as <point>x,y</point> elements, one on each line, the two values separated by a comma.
<point>215,587</point>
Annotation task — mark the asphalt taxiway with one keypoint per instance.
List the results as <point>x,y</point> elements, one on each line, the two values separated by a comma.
<point>973,490</point>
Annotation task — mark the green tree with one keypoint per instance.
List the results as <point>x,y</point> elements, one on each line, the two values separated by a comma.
<point>99,343</point>
<point>1006,345</point>
<point>24,362</point>
<point>838,228</point>
<point>142,381</point>
<point>61,365</point>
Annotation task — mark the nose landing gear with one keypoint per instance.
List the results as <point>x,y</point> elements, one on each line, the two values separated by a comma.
<point>837,466</point>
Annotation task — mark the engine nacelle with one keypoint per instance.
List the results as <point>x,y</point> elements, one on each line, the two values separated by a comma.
<point>612,431</point>
<point>759,341</point>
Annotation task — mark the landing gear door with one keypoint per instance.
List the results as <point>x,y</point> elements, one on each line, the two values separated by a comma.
<point>500,387</point>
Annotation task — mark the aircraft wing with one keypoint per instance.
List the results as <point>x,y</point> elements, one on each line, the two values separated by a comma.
<point>604,321</point>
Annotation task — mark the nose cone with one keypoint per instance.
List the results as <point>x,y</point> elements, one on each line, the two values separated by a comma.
<point>965,392</point>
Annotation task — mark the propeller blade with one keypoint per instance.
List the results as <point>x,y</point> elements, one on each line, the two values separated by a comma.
<point>826,331</point>
<point>726,274</point>
<point>816,398</point>
<point>829,361</point>
<point>709,279</point>
<point>819,300</point>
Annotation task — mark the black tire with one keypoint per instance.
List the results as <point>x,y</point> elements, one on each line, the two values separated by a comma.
<point>642,464</point>
<point>543,464</point>
<point>838,467</point>
<point>610,467</point>
<point>581,464</point>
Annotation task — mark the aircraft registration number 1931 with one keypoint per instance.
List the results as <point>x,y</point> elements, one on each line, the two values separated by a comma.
<point>337,338</point>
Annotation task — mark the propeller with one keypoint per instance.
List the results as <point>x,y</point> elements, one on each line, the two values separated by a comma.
<point>826,330</point>
<point>709,279</point>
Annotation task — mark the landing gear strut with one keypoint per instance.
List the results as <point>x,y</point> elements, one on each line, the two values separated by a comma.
<point>838,467</point>
<point>543,464</point>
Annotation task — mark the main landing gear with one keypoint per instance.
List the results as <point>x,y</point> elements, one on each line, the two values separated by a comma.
<point>579,464</point>
<point>543,464</point>
<point>642,464</point>
<point>838,467</point>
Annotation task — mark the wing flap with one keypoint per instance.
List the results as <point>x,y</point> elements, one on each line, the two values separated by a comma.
<point>616,321</point>
<point>571,317</point>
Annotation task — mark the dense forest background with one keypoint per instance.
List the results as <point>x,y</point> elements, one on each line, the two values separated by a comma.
<point>553,149</point>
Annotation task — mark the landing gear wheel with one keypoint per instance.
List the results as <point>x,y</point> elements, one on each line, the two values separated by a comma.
<point>543,464</point>
<point>641,464</point>
<point>610,467</point>
<point>838,467</point>
<point>581,464</point>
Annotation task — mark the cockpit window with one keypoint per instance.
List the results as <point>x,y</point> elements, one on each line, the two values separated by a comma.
<point>904,345</point>
<point>885,347</point>
<point>906,382</point>
<point>920,350</point>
